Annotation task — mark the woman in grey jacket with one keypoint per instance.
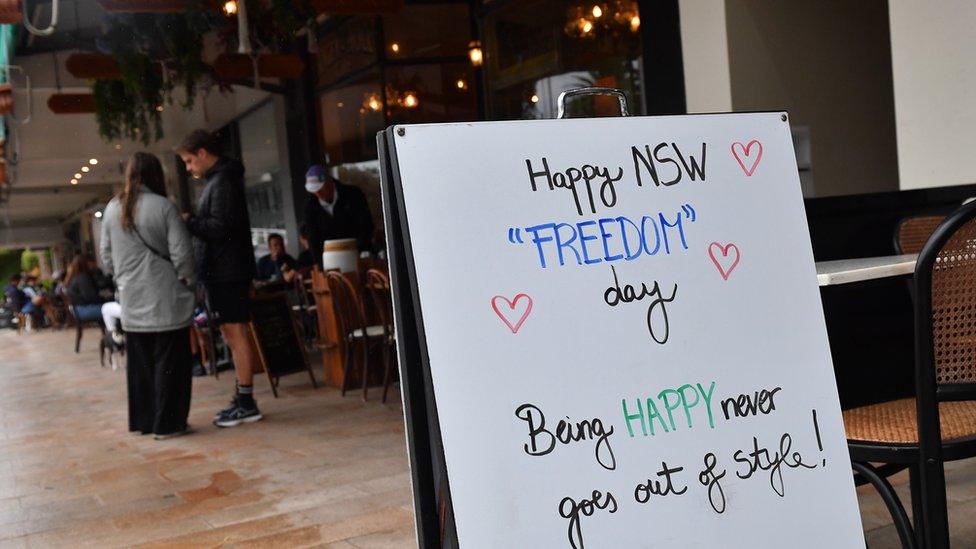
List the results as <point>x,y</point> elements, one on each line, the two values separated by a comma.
<point>146,245</point>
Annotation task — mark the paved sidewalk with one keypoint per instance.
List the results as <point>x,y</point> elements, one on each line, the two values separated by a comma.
<point>319,470</point>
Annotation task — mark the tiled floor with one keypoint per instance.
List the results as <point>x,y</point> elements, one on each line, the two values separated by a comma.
<point>320,470</point>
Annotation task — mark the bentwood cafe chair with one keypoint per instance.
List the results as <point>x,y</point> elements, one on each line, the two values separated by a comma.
<point>939,424</point>
<point>354,332</point>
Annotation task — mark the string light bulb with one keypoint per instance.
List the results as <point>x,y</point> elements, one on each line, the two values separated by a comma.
<point>374,103</point>
<point>410,100</point>
<point>230,8</point>
<point>475,55</point>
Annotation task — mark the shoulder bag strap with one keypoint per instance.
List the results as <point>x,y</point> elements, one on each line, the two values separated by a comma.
<point>150,248</point>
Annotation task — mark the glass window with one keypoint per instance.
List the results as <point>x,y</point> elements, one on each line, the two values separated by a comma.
<point>436,30</point>
<point>263,178</point>
<point>539,48</point>
<point>346,49</point>
<point>351,115</point>
<point>442,92</point>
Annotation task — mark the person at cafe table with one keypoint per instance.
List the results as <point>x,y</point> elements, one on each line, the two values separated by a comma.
<point>277,265</point>
<point>335,210</point>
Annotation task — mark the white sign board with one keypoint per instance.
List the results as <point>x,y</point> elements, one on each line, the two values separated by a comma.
<point>625,333</point>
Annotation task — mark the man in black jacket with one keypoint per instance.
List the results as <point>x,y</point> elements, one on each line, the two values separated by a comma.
<point>335,210</point>
<point>225,261</point>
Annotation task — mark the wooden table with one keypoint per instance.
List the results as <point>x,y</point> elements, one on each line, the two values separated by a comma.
<point>845,271</point>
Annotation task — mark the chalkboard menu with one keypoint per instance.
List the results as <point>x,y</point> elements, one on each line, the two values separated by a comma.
<point>279,346</point>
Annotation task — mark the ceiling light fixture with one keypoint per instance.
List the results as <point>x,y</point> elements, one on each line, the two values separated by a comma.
<point>74,181</point>
<point>94,161</point>
<point>85,169</point>
<point>77,176</point>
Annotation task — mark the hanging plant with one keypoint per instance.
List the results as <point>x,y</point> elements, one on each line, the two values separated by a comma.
<point>155,54</point>
<point>158,53</point>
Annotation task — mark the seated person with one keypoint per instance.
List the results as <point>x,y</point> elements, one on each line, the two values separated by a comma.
<point>103,282</point>
<point>112,318</point>
<point>306,259</point>
<point>277,265</point>
<point>15,296</point>
<point>83,291</point>
<point>38,304</point>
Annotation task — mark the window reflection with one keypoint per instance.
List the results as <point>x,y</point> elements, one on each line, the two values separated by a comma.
<point>351,116</point>
<point>426,31</point>
<point>430,93</point>
<point>262,178</point>
<point>540,48</point>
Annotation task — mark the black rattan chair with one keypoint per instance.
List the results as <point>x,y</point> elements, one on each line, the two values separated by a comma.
<point>939,424</point>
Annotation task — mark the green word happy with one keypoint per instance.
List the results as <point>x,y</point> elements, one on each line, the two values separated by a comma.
<point>688,398</point>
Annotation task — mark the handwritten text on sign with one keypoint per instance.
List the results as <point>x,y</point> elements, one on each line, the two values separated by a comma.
<point>638,352</point>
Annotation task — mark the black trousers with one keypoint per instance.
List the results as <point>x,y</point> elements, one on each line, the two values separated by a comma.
<point>159,378</point>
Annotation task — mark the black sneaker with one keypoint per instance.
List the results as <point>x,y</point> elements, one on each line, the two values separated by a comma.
<point>238,415</point>
<point>233,406</point>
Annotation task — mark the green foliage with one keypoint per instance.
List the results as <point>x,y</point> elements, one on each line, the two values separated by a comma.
<point>159,53</point>
<point>9,264</point>
<point>155,54</point>
<point>29,261</point>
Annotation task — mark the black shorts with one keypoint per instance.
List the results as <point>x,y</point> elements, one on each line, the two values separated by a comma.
<point>230,302</point>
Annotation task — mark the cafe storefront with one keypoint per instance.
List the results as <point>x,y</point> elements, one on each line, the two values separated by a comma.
<point>431,62</point>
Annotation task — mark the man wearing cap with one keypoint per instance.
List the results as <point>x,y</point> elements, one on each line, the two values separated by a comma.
<point>335,210</point>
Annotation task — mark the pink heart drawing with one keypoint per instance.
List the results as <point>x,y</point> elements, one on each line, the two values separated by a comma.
<point>724,262</point>
<point>512,306</point>
<point>746,154</point>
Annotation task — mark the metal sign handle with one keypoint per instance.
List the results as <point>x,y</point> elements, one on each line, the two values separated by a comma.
<point>592,90</point>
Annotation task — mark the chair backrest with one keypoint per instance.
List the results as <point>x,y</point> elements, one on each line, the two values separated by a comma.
<point>946,275</point>
<point>378,284</point>
<point>345,303</point>
<point>912,232</point>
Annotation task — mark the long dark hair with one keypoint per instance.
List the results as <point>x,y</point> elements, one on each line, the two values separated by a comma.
<point>78,266</point>
<point>143,170</point>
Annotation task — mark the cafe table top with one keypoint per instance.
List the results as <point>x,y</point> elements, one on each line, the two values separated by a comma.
<point>845,271</point>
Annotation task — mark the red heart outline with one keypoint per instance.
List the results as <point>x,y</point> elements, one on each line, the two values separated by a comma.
<point>511,305</point>
<point>745,150</point>
<point>725,253</point>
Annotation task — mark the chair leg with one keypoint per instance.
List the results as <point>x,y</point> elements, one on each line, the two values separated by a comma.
<point>935,516</point>
<point>101,353</point>
<point>890,498</point>
<point>365,367</point>
<point>386,370</point>
<point>917,513</point>
<point>78,330</point>
<point>347,355</point>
